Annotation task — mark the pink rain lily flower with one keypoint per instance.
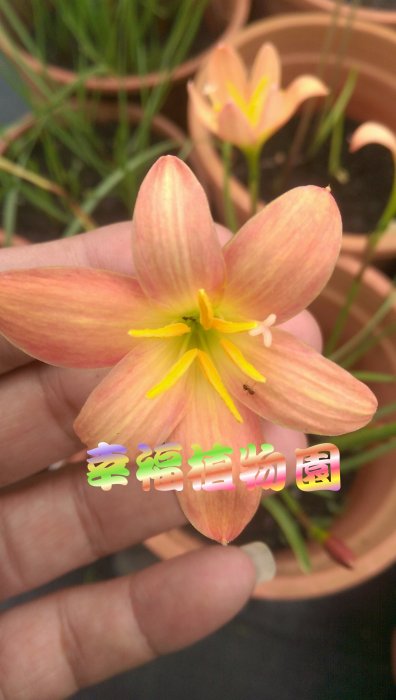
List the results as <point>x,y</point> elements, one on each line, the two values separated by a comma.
<point>246,109</point>
<point>179,333</point>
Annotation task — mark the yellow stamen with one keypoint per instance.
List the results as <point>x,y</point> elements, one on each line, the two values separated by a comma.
<point>205,310</point>
<point>232,327</point>
<point>236,355</point>
<point>256,102</point>
<point>239,99</point>
<point>251,108</point>
<point>176,371</point>
<point>215,380</point>
<point>169,331</point>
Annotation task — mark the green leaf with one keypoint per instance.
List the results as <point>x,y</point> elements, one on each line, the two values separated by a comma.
<point>290,530</point>
<point>357,461</point>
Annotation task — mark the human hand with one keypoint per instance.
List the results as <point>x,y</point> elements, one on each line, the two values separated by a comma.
<point>53,522</point>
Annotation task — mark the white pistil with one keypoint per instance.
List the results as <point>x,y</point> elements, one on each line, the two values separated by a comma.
<point>264,329</point>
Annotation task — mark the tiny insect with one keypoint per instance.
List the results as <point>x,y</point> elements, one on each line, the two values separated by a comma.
<point>188,318</point>
<point>249,389</point>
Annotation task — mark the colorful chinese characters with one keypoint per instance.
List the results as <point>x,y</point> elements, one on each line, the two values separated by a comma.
<point>319,470</point>
<point>317,467</point>
<point>106,467</point>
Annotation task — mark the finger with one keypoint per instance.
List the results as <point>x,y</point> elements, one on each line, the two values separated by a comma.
<point>108,248</point>
<point>86,634</point>
<point>59,519</point>
<point>305,327</point>
<point>38,405</point>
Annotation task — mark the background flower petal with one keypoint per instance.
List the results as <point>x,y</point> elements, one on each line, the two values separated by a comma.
<point>72,317</point>
<point>283,257</point>
<point>373,132</point>
<point>224,67</point>
<point>176,250</point>
<point>203,109</point>
<point>267,63</point>
<point>234,126</point>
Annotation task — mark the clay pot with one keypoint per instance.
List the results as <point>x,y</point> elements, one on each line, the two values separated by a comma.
<point>224,20</point>
<point>107,112</point>
<point>299,39</point>
<point>368,524</point>
<point>386,18</point>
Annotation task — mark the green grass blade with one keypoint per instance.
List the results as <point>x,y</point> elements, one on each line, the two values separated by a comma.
<point>290,530</point>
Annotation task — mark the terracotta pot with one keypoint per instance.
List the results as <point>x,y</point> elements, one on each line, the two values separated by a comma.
<point>224,20</point>
<point>386,18</point>
<point>299,39</point>
<point>107,112</point>
<point>368,525</point>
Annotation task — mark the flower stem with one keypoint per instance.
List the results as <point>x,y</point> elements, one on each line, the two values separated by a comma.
<point>253,162</point>
<point>290,530</point>
<point>229,209</point>
<point>337,549</point>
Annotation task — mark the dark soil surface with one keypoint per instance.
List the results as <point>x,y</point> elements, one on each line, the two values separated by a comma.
<point>361,198</point>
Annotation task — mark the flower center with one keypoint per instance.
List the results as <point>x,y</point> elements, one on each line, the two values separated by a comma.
<point>253,106</point>
<point>202,328</point>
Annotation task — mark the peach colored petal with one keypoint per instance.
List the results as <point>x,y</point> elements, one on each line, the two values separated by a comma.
<point>373,132</point>
<point>204,112</point>
<point>224,67</point>
<point>283,257</point>
<point>176,250</point>
<point>277,112</point>
<point>304,390</point>
<point>220,515</point>
<point>284,103</point>
<point>234,126</point>
<point>266,63</point>
<point>117,411</point>
<point>72,317</point>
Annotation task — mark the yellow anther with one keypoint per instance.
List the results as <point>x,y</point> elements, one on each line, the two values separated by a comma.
<point>176,371</point>
<point>169,331</point>
<point>215,380</point>
<point>205,310</point>
<point>237,356</point>
<point>232,327</point>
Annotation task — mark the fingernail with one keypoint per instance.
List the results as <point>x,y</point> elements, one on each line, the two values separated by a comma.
<point>262,559</point>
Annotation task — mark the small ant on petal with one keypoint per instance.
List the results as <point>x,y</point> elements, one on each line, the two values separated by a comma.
<point>249,389</point>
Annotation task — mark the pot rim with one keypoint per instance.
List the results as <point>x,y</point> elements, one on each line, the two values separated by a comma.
<point>366,14</point>
<point>129,83</point>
